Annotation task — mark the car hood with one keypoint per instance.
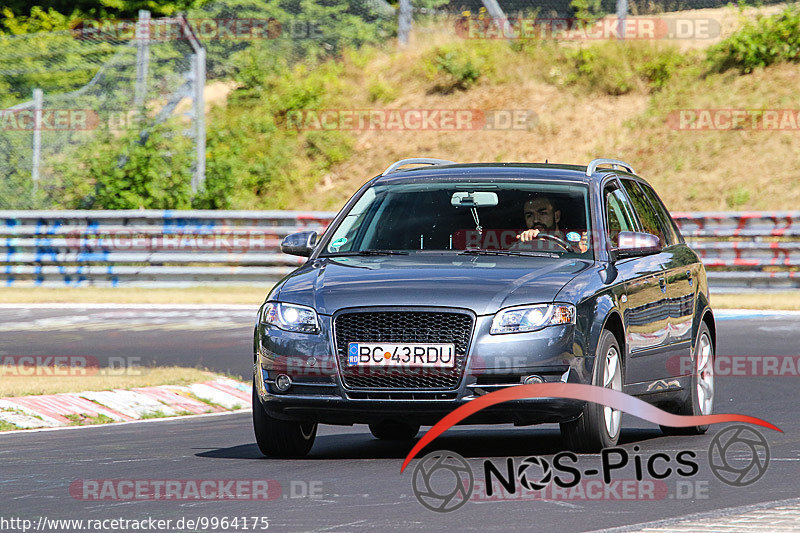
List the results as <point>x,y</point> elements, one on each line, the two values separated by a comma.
<point>483,284</point>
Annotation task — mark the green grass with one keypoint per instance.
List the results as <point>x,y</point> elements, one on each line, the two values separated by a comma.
<point>81,420</point>
<point>207,402</point>
<point>5,426</point>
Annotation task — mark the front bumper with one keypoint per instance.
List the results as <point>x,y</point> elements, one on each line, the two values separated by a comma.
<point>493,362</point>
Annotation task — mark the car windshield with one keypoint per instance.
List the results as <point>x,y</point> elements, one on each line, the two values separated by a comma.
<point>491,217</point>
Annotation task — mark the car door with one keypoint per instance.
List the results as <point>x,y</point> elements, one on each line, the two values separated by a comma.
<point>644,310</point>
<point>683,267</point>
<point>657,358</point>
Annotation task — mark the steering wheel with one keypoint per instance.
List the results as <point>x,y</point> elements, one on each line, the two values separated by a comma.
<point>545,236</point>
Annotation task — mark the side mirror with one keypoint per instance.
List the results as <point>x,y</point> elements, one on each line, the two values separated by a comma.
<point>300,243</point>
<point>635,244</point>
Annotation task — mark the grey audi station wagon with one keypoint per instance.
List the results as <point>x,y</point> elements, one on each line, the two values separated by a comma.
<point>440,283</point>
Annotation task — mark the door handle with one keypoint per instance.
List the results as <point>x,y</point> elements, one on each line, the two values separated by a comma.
<point>662,282</point>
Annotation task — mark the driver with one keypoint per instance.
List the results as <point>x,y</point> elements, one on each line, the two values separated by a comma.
<point>541,216</point>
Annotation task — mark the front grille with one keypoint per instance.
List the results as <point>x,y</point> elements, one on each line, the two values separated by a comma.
<point>403,327</point>
<point>417,395</point>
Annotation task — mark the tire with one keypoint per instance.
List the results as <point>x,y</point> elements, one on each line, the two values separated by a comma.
<point>281,438</point>
<point>389,430</point>
<point>701,396</point>
<point>598,426</point>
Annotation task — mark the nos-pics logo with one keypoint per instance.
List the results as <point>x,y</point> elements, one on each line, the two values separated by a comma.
<point>443,481</point>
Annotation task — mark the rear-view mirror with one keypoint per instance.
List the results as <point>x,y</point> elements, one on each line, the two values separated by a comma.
<point>474,199</point>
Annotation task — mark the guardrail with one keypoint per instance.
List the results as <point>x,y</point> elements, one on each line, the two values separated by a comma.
<point>155,248</point>
<point>175,248</point>
<point>746,250</point>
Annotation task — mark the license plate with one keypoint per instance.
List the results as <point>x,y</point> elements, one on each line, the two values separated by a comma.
<point>387,354</point>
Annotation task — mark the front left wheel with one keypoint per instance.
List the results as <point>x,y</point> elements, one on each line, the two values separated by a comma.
<point>599,426</point>
<point>281,438</point>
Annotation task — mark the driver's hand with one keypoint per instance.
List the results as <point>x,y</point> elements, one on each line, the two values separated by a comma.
<point>528,235</point>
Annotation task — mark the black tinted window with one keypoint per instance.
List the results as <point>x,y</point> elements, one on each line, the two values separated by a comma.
<point>647,215</point>
<point>662,213</point>
<point>618,213</point>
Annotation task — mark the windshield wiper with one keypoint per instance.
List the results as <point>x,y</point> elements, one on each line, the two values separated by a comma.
<point>481,251</point>
<point>366,252</point>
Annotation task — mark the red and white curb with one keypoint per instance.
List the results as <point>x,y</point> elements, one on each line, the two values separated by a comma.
<point>57,410</point>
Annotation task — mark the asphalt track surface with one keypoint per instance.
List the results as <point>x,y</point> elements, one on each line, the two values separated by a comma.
<point>355,479</point>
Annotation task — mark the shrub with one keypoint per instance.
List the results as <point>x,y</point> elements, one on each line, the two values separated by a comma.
<point>458,66</point>
<point>255,159</point>
<point>461,72</point>
<point>737,198</point>
<point>659,69</point>
<point>619,68</point>
<point>382,92</point>
<point>760,43</point>
<point>603,67</point>
<point>130,172</point>
<point>586,11</point>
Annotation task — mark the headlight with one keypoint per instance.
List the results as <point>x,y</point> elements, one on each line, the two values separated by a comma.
<point>290,317</point>
<point>532,317</point>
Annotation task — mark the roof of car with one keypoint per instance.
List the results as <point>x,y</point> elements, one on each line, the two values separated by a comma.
<point>576,173</point>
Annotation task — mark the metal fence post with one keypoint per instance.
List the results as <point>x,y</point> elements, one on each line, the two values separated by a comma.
<point>37,136</point>
<point>622,12</point>
<point>142,57</point>
<point>199,64</point>
<point>404,22</point>
<point>496,12</point>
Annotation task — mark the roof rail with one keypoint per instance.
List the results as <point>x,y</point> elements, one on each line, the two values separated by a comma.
<point>616,163</point>
<point>416,161</point>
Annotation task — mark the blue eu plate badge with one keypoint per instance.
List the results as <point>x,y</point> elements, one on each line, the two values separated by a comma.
<point>352,354</point>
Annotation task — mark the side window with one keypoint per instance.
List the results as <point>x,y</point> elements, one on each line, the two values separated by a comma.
<point>347,233</point>
<point>647,215</point>
<point>663,215</point>
<point>618,212</point>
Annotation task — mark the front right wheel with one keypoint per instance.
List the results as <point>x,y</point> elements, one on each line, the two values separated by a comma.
<point>281,438</point>
<point>599,426</point>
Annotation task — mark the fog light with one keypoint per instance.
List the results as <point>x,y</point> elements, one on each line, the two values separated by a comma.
<point>283,382</point>
<point>530,380</point>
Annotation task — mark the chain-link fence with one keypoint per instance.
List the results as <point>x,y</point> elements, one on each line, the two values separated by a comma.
<point>63,90</point>
<point>568,8</point>
<point>66,94</point>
